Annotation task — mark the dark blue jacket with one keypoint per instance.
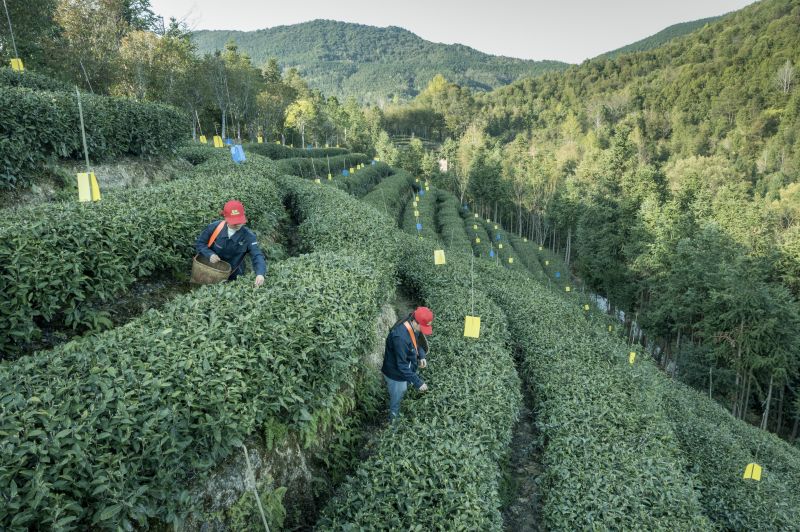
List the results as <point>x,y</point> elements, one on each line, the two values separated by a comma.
<point>232,250</point>
<point>400,360</point>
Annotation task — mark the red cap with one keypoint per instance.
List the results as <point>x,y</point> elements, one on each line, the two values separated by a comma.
<point>424,317</point>
<point>234,213</point>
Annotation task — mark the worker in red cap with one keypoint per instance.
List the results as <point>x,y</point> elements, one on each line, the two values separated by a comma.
<point>406,348</point>
<point>230,240</point>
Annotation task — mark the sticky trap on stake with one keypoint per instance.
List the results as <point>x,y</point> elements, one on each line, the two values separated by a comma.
<point>477,240</point>
<point>218,142</point>
<point>88,189</point>
<point>345,173</point>
<point>260,140</point>
<point>540,248</point>
<point>203,139</point>
<point>511,260</point>
<point>427,187</point>
<point>752,472</point>
<point>610,328</point>
<point>16,65</point>
<point>416,180</point>
<point>500,246</point>
<point>547,263</point>
<point>474,227</point>
<point>586,308</point>
<point>524,239</point>
<point>330,177</point>
<point>317,181</point>
<point>419,227</point>
<point>476,215</point>
<point>632,357</point>
<point>472,327</point>
<point>567,289</point>
<point>416,214</point>
<point>438,257</point>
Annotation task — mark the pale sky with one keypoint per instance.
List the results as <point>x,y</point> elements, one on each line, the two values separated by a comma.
<point>565,30</point>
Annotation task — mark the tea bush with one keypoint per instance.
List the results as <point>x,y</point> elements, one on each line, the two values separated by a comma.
<point>362,181</point>
<point>31,80</point>
<point>440,467</point>
<point>426,207</point>
<point>107,430</point>
<point>309,167</point>
<point>278,151</point>
<point>391,195</point>
<point>450,225</point>
<point>502,254</point>
<point>38,126</point>
<point>59,259</point>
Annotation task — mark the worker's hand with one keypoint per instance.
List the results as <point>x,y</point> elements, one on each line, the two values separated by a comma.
<point>213,259</point>
<point>424,387</point>
<point>259,280</point>
<point>423,363</point>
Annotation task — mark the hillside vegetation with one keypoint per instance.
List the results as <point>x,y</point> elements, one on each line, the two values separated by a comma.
<point>371,64</point>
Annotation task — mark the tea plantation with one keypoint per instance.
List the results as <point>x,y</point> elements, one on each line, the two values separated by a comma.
<point>117,429</point>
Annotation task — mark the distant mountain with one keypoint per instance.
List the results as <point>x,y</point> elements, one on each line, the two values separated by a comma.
<point>662,37</point>
<point>372,64</point>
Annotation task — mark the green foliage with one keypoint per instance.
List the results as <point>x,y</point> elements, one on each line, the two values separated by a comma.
<point>426,207</point>
<point>449,223</point>
<point>311,167</point>
<point>61,259</point>
<point>31,80</point>
<point>127,417</point>
<point>278,151</point>
<point>342,59</point>
<point>440,464</point>
<point>38,126</point>
<point>360,182</point>
<point>662,37</point>
<point>391,195</point>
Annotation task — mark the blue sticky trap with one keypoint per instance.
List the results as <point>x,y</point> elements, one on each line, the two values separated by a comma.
<point>237,153</point>
<point>497,237</point>
<point>419,227</point>
<point>229,141</point>
<point>373,162</point>
<point>491,253</point>
<point>558,275</point>
<point>421,192</point>
<point>345,173</point>
<point>308,147</point>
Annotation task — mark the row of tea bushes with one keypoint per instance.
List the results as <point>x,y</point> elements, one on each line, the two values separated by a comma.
<point>449,223</point>
<point>60,259</point>
<point>279,151</point>
<point>311,168</point>
<point>360,182</point>
<point>391,195</point>
<point>440,467</point>
<point>41,126</point>
<point>106,431</point>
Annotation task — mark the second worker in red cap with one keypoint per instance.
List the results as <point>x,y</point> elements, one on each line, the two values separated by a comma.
<point>231,241</point>
<point>405,351</point>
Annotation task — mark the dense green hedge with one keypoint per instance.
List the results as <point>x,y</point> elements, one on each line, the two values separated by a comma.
<point>31,80</point>
<point>440,468</point>
<point>108,431</point>
<point>59,259</point>
<point>426,207</point>
<point>278,151</point>
<point>480,249</point>
<point>37,126</point>
<point>500,237</point>
<point>360,182</point>
<point>527,251</point>
<point>449,223</point>
<point>309,167</point>
<point>391,195</point>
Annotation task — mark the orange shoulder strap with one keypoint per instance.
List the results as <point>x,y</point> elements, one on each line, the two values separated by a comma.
<point>216,233</point>
<point>413,336</point>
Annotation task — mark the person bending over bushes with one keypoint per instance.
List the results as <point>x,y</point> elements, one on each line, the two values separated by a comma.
<point>230,240</point>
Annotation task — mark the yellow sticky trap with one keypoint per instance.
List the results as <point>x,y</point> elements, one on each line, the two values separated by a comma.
<point>317,181</point>
<point>330,177</point>
<point>352,170</point>
<point>540,248</point>
<point>567,289</point>
<point>495,227</point>
<point>511,260</point>
<point>416,214</point>
<point>477,240</point>
<point>203,139</point>
<point>632,359</point>
<point>16,65</point>
<point>472,326</point>
<point>752,472</point>
<point>475,227</point>
<point>525,239</point>
<point>586,308</point>
<point>415,204</point>
<point>476,215</point>
<point>500,246</point>
<point>218,142</point>
<point>488,220</point>
<point>416,180</point>
<point>547,263</point>
<point>376,159</point>
<point>416,198</point>
<point>277,142</point>
<point>427,187</point>
<point>610,328</point>
<point>438,257</point>
<point>260,140</point>
<point>327,145</point>
<point>88,189</point>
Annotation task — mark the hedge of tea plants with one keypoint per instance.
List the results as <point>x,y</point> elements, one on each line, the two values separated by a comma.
<point>527,252</point>
<point>41,126</point>
<point>424,204</point>
<point>60,259</point>
<point>439,469</point>
<point>310,168</point>
<point>109,430</point>
<point>503,250</point>
<point>360,182</point>
<point>391,195</point>
<point>278,151</point>
<point>31,80</point>
<point>449,223</point>
<point>481,242</point>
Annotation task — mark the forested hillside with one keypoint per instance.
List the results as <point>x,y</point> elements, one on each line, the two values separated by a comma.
<point>372,64</point>
<point>668,180</point>
<point>661,38</point>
